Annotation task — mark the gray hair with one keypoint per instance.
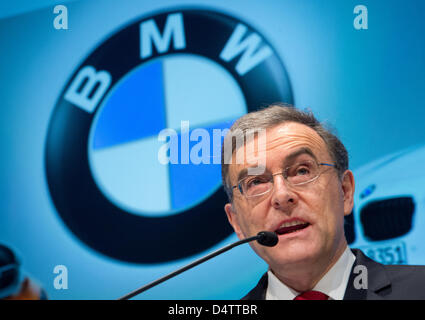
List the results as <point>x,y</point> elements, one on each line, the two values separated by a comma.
<point>271,116</point>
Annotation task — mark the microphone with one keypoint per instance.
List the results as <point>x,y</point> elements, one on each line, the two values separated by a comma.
<point>265,238</point>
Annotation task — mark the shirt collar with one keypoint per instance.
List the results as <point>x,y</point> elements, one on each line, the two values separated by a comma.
<point>333,283</point>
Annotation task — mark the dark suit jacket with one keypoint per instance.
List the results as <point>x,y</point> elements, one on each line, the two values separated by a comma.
<point>385,282</point>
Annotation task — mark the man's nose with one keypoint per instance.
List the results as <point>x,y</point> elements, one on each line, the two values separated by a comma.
<point>283,197</point>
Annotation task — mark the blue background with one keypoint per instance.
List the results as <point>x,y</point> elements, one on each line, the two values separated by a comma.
<point>368,84</point>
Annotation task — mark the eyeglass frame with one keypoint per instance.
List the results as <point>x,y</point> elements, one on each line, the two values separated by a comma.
<point>285,178</point>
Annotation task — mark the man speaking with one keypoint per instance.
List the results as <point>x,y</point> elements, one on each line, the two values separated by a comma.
<point>301,189</point>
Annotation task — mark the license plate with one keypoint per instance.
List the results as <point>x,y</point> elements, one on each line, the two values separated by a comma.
<point>394,253</point>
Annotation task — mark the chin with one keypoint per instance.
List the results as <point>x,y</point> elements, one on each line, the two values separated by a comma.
<point>293,254</point>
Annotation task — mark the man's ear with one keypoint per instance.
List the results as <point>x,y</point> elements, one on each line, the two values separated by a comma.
<point>233,220</point>
<point>348,188</point>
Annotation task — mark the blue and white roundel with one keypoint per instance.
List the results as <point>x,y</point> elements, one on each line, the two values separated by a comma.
<point>158,88</point>
<point>124,144</point>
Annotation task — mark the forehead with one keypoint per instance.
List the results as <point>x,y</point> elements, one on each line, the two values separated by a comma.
<point>280,142</point>
<point>288,136</point>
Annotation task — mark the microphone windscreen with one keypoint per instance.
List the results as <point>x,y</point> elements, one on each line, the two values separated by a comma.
<point>268,239</point>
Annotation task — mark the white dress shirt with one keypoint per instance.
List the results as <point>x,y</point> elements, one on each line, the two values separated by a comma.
<point>333,283</point>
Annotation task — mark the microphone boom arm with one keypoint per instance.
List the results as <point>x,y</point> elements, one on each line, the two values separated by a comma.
<point>189,266</point>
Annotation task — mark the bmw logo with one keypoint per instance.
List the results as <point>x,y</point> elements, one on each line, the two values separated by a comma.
<point>101,158</point>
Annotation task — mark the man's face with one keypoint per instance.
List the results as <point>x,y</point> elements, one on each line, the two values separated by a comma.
<point>320,205</point>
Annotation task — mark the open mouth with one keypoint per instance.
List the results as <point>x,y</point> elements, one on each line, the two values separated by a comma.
<point>285,229</point>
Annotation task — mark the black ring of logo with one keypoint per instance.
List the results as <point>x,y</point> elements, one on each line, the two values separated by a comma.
<point>85,210</point>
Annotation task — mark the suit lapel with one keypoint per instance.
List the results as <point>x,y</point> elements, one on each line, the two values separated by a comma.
<point>378,281</point>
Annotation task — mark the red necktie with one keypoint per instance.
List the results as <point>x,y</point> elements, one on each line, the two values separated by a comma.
<point>311,295</point>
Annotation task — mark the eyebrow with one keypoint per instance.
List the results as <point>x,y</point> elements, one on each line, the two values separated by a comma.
<point>299,152</point>
<point>291,157</point>
<point>244,172</point>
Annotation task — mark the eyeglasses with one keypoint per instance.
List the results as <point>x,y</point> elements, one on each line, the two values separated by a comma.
<point>298,174</point>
